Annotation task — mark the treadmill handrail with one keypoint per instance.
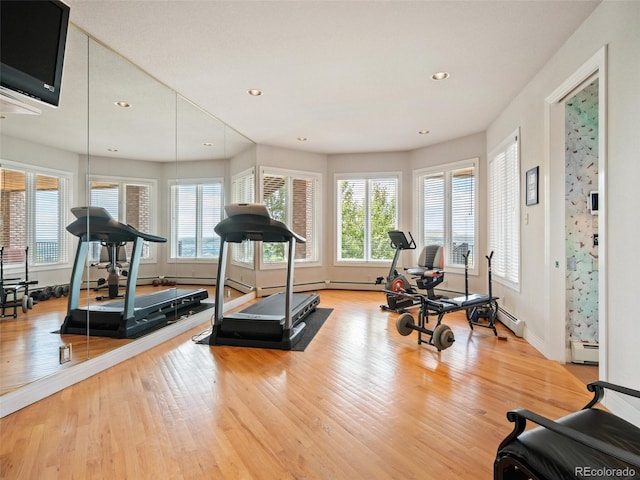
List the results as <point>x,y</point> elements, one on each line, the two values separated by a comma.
<point>239,228</point>
<point>96,224</point>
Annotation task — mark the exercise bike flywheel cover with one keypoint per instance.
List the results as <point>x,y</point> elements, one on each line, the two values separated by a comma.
<point>397,285</point>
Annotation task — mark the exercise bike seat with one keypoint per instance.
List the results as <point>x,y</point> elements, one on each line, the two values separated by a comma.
<point>423,272</point>
<point>430,262</point>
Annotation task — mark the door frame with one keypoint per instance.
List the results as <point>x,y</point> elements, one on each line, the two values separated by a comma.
<point>555,257</point>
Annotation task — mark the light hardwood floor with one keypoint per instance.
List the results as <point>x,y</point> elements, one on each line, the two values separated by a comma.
<point>29,344</point>
<point>361,402</point>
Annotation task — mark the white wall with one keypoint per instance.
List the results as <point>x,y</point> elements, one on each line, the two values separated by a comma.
<point>617,25</point>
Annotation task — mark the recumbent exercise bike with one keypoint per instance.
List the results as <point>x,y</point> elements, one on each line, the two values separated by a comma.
<point>428,274</point>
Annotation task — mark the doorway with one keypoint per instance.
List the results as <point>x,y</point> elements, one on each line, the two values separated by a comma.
<point>567,256</point>
<point>581,220</point>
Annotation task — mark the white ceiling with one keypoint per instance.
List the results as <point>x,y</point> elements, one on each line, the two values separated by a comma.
<point>351,76</point>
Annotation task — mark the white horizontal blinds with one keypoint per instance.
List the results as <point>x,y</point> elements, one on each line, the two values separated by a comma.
<point>243,191</point>
<point>274,196</point>
<point>185,207</point>
<point>448,202</point>
<point>211,195</point>
<point>50,245</point>
<point>433,209</point>
<point>383,216</point>
<point>504,212</point>
<point>368,210</point>
<point>463,216</point>
<point>196,209</point>
<point>107,196</point>
<point>351,200</point>
<point>32,207</point>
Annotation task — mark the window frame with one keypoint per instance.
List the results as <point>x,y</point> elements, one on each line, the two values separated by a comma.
<point>123,183</point>
<point>172,240</point>
<point>291,175</point>
<point>502,147</point>
<point>338,177</point>
<point>446,169</point>
<point>239,196</point>
<point>66,199</point>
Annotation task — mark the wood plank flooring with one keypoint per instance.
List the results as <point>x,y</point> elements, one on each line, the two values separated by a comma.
<point>361,402</point>
<point>29,348</point>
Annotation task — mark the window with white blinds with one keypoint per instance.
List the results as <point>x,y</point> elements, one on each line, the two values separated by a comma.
<point>196,208</point>
<point>504,211</point>
<point>447,199</point>
<point>128,201</point>
<point>33,209</point>
<point>243,191</point>
<point>367,210</point>
<point>292,197</point>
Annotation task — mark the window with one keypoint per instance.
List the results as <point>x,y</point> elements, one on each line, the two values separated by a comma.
<point>126,200</point>
<point>367,211</point>
<point>504,212</point>
<point>33,204</point>
<point>242,191</point>
<point>196,208</point>
<point>447,210</point>
<point>292,198</point>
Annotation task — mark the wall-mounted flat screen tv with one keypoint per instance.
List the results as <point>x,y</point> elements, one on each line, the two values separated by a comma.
<point>33,36</point>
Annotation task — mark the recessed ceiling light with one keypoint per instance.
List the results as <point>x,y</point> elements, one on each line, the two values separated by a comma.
<point>302,139</point>
<point>423,132</point>
<point>207,144</point>
<point>440,76</point>
<point>254,92</point>
<point>123,104</point>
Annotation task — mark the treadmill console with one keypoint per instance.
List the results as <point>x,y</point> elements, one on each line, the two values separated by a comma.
<point>82,212</point>
<point>246,209</point>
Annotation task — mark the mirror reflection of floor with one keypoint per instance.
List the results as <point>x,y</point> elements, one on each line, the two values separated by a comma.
<point>29,350</point>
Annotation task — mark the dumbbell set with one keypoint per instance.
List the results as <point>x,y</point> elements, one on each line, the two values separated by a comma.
<point>46,293</point>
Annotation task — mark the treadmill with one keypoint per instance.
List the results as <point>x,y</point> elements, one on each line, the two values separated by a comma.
<point>134,314</point>
<point>277,320</point>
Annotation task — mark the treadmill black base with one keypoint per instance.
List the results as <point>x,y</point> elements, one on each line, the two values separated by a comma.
<point>262,324</point>
<point>108,319</point>
<point>287,340</point>
<point>118,328</point>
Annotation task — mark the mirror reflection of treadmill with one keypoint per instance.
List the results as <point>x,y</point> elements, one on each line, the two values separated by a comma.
<point>277,320</point>
<point>135,314</point>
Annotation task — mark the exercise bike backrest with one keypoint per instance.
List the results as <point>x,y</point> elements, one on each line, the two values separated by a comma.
<point>432,257</point>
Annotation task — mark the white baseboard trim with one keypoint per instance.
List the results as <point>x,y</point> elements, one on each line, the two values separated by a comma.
<point>35,391</point>
<point>535,341</point>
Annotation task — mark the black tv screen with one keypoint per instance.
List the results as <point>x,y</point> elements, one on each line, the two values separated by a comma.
<point>33,36</point>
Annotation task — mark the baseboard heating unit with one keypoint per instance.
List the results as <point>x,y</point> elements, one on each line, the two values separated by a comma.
<point>511,322</point>
<point>584,352</point>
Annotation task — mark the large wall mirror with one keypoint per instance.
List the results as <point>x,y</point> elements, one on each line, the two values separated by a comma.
<point>129,145</point>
